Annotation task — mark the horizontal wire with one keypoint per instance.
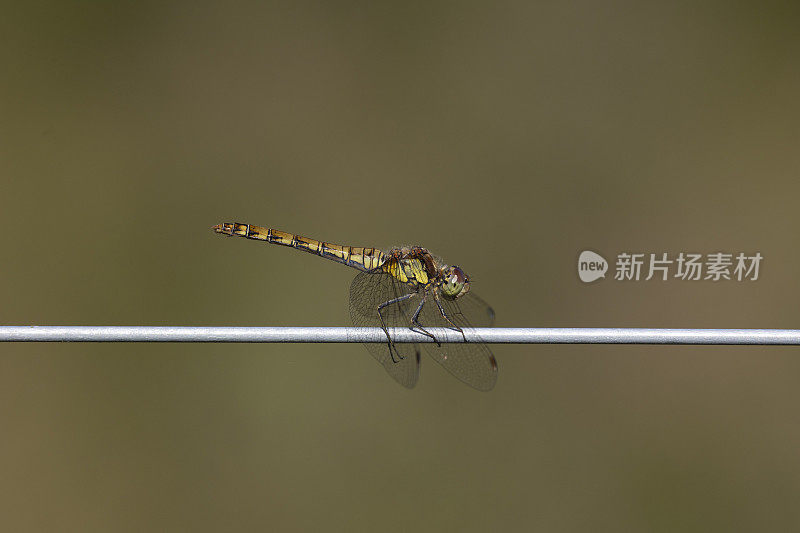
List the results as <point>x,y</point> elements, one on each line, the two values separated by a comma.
<point>376,335</point>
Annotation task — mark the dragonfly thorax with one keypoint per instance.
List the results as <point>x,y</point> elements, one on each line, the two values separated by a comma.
<point>416,267</point>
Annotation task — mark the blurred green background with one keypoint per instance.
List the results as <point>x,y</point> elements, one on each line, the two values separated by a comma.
<point>505,137</point>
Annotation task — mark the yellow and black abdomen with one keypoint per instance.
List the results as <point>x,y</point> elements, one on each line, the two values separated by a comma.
<point>353,256</point>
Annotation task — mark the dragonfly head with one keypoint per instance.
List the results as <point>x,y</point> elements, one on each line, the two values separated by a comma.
<point>455,283</point>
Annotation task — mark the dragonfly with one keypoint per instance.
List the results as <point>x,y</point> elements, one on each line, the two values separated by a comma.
<point>403,287</point>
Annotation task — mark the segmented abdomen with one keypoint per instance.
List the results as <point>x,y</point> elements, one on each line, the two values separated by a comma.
<point>352,256</point>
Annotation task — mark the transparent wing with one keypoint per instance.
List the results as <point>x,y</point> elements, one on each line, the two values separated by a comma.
<point>474,310</point>
<point>472,363</point>
<point>367,292</point>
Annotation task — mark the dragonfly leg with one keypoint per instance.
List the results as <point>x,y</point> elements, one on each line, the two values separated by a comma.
<point>419,327</point>
<point>444,314</point>
<point>392,348</point>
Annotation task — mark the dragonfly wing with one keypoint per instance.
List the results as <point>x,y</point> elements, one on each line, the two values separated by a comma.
<point>475,312</point>
<point>473,362</point>
<point>367,292</point>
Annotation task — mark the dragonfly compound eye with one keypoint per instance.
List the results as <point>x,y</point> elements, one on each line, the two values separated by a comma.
<point>453,282</point>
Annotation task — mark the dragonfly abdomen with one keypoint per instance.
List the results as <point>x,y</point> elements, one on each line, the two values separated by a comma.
<point>353,256</point>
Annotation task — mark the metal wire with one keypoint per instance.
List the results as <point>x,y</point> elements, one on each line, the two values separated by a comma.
<point>376,335</point>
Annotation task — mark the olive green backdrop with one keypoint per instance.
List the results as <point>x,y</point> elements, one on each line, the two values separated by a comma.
<point>504,137</point>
